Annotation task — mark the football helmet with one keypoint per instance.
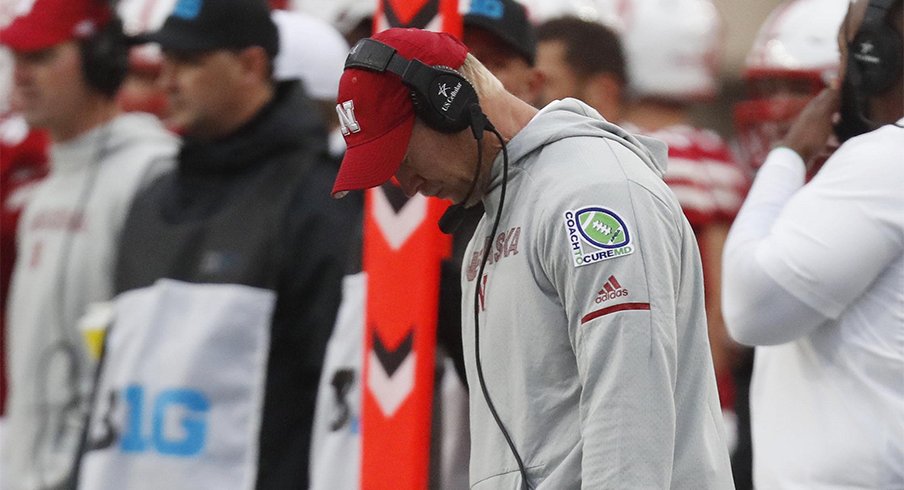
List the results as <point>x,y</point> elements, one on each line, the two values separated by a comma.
<point>344,15</point>
<point>672,48</point>
<point>794,55</point>
<point>603,11</point>
<point>312,50</point>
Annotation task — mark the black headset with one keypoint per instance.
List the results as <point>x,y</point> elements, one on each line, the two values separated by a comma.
<point>105,58</point>
<point>875,56</point>
<point>874,65</point>
<point>442,97</point>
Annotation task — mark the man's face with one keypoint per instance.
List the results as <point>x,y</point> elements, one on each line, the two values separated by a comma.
<point>49,88</point>
<point>516,75</point>
<point>558,79</point>
<point>439,165</point>
<point>203,90</point>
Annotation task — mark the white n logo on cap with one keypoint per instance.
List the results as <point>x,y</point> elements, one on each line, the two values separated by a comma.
<point>347,122</point>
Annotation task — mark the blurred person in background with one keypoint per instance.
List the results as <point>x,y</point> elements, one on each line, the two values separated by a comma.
<point>70,59</point>
<point>581,59</point>
<point>672,50</point>
<point>229,273</point>
<point>813,273</point>
<point>501,35</point>
<point>793,56</point>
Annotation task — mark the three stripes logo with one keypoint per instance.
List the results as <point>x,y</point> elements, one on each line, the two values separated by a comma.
<point>611,290</point>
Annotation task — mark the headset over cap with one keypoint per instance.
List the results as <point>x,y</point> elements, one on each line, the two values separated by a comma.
<point>377,106</point>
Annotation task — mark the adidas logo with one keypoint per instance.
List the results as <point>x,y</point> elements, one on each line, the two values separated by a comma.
<point>611,290</point>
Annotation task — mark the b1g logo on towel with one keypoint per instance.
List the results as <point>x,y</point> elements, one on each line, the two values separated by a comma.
<point>172,423</point>
<point>596,234</point>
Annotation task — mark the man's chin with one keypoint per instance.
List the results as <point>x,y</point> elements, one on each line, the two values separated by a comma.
<point>33,118</point>
<point>470,203</point>
<point>176,124</point>
<point>459,200</point>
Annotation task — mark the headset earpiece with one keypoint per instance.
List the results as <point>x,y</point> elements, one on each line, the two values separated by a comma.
<point>441,96</point>
<point>875,55</point>
<point>445,104</point>
<point>105,58</point>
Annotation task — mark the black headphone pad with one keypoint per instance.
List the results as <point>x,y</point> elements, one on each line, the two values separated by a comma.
<point>105,58</point>
<point>424,111</point>
<point>876,56</point>
<point>445,104</point>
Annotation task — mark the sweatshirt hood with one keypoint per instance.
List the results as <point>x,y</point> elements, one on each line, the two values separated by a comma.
<point>126,130</point>
<point>570,118</point>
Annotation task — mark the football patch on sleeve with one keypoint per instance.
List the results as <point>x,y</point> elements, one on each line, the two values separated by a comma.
<point>596,234</point>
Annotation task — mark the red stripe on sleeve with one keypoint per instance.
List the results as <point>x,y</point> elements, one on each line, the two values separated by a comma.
<point>613,309</point>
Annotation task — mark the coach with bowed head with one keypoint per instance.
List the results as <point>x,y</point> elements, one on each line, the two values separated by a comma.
<point>583,322</point>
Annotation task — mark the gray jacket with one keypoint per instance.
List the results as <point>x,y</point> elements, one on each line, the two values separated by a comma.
<point>593,335</point>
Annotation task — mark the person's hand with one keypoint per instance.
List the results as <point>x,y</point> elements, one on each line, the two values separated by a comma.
<point>811,132</point>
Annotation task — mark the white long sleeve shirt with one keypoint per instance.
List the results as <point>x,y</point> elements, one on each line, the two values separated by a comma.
<point>816,272</point>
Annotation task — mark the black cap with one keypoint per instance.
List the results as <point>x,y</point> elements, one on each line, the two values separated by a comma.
<point>506,19</point>
<point>208,25</point>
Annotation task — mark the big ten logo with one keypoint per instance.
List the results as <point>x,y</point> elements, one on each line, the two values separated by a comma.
<point>174,422</point>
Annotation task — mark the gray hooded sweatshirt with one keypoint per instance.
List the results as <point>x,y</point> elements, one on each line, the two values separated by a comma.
<point>592,326</point>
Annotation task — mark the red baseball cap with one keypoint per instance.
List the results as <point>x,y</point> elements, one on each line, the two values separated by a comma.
<point>375,109</point>
<point>51,22</point>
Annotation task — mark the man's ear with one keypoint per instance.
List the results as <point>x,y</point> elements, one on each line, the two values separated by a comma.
<point>255,63</point>
<point>534,85</point>
<point>603,92</point>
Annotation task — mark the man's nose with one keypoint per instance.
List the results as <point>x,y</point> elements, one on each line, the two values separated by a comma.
<point>408,181</point>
